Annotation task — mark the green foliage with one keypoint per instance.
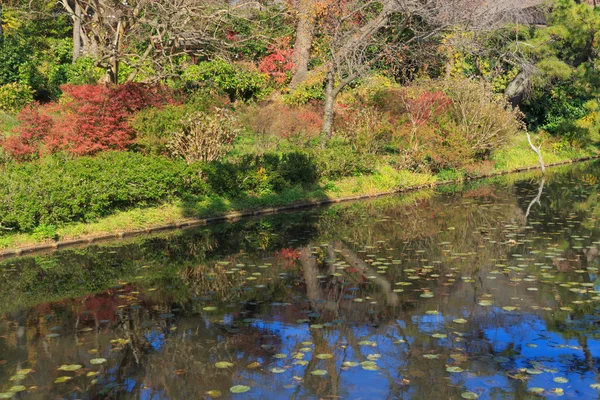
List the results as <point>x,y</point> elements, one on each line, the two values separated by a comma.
<point>260,175</point>
<point>305,93</point>
<point>234,80</point>
<point>337,160</point>
<point>58,190</point>
<point>83,71</point>
<point>566,78</point>
<point>156,125</point>
<point>14,96</point>
<point>36,48</point>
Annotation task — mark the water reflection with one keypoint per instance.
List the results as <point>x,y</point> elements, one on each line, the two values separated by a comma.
<point>486,290</point>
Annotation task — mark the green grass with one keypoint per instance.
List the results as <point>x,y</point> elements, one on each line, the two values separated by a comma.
<point>516,154</point>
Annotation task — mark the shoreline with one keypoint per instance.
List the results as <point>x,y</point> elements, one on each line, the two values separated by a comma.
<point>235,216</point>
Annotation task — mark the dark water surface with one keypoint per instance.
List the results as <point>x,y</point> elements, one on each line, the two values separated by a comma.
<point>446,294</point>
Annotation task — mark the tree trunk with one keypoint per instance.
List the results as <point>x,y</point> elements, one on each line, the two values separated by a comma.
<point>304,36</point>
<point>112,69</point>
<point>330,95</point>
<point>77,31</point>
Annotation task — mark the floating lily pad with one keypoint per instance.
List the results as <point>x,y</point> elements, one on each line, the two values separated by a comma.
<point>63,379</point>
<point>536,390</point>
<point>214,393</point>
<point>560,379</point>
<point>223,364</point>
<point>469,395</point>
<point>454,369</point>
<point>70,367</point>
<point>97,361</point>
<point>324,356</point>
<point>277,370</point>
<point>239,389</point>
<point>318,372</point>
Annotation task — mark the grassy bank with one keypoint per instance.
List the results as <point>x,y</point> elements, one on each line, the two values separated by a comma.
<point>386,179</point>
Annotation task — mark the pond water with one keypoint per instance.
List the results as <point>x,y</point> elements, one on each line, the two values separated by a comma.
<point>471,291</point>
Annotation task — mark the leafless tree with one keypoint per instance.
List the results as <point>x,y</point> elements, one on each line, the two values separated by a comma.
<point>110,31</point>
<point>363,32</point>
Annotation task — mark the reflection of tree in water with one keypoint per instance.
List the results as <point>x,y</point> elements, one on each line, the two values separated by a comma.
<point>320,262</point>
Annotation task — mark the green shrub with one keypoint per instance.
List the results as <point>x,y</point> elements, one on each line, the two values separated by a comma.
<point>260,175</point>
<point>235,80</point>
<point>14,96</point>
<point>58,190</point>
<point>338,159</point>
<point>83,71</point>
<point>156,125</point>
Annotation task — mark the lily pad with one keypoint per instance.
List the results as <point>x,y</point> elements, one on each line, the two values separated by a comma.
<point>223,364</point>
<point>324,356</point>
<point>318,372</point>
<point>454,369</point>
<point>97,361</point>
<point>70,367</point>
<point>239,389</point>
<point>469,395</point>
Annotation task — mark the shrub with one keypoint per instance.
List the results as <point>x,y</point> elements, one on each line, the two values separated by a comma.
<point>15,96</point>
<point>309,91</point>
<point>88,119</point>
<point>366,130</point>
<point>237,81</point>
<point>83,72</point>
<point>58,190</point>
<point>337,160</point>
<point>483,120</point>
<point>204,137</point>
<point>26,143</point>
<point>288,122</point>
<point>260,175</point>
<point>278,64</point>
<point>154,126</point>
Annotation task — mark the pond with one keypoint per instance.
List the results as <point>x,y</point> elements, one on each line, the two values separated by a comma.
<point>489,289</point>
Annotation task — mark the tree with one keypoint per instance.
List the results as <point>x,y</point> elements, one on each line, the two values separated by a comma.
<point>361,33</point>
<point>147,32</point>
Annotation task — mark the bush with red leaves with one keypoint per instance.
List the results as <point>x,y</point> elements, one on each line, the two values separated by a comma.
<point>87,120</point>
<point>278,64</point>
<point>28,137</point>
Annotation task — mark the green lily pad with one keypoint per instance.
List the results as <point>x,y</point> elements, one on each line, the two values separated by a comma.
<point>239,389</point>
<point>560,379</point>
<point>469,395</point>
<point>318,372</point>
<point>97,361</point>
<point>223,364</point>
<point>70,367</point>
<point>324,356</point>
<point>277,370</point>
<point>280,355</point>
<point>536,390</point>
<point>210,308</point>
<point>454,369</point>
<point>595,386</point>
<point>63,379</point>
<point>17,389</point>
<point>460,321</point>
<point>6,395</point>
